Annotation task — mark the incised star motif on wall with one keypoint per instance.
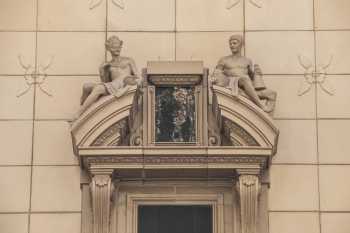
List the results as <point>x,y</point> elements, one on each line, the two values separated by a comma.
<point>34,76</point>
<point>232,3</point>
<point>317,76</point>
<point>96,3</point>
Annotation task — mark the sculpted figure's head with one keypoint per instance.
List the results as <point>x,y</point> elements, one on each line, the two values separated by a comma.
<point>236,44</point>
<point>114,45</point>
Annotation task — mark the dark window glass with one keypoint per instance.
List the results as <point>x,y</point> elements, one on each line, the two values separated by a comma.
<point>175,219</point>
<point>175,114</point>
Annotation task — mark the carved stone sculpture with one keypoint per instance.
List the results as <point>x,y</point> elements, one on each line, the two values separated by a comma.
<point>117,76</point>
<point>237,72</point>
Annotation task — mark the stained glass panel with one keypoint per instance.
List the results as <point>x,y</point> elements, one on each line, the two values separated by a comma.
<point>175,118</point>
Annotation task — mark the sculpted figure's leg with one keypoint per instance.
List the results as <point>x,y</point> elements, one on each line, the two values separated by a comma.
<point>87,89</point>
<point>97,91</point>
<point>250,91</point>
<point>270,97</point>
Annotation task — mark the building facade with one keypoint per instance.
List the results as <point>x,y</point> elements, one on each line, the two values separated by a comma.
<point>50,48</point>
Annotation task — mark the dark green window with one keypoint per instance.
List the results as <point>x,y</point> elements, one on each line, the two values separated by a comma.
<point>175,219</point>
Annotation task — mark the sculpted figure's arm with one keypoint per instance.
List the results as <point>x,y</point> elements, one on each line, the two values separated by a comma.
<point>133,67</point>
<point>218,77</point>
<point>264,93</point>
<point>258,80</point>
<point>134,78</point>
<point>104,73</point>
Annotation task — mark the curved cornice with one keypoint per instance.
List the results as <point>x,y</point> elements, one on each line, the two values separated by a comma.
<point>248,116</point>
<point>101,116</point>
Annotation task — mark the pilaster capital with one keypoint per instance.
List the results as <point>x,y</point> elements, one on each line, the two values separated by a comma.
<point>256,171</point>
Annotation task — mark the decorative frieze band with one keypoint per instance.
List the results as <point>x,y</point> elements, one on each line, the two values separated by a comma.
<point>143,160</point>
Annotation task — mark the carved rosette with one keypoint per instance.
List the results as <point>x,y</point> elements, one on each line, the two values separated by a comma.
<point>101,192</point>
<point>248,187</point>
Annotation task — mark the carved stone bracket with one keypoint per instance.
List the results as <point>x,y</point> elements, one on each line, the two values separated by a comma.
<point>101,191</point>
<point>248,187</point>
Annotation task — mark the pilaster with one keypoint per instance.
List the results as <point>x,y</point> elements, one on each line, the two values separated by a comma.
<point>248,187</point>
<point>101,192</point>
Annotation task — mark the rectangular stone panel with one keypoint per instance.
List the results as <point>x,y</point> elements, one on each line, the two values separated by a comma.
<point>56,188</point>
<point>277,52</point>
<point>332,48</point>
<point>289,104</point>
<point>65,100</point>
<point>280,15</point>
<point>338,104</point>
<point>16,142</point>
<point>16,98</point>
<point>150,15</point>
<point>333,140</point>
<point>147,46</point>
<point>288,222</point>
<point>332,14</point>
<point>208,47</point>
<point>15,189</point>
<point>14,45</point>
<point>56,149</point>
<point>17,14</point>
<point>55,223</point>
<point>14,223</point>
<point>293,188</point>
<point>297,142</point>
<point>208,15</point>
<point>335,222</point>
<point>70,15</point>
<point>74,53</point>
<point>334,193</point>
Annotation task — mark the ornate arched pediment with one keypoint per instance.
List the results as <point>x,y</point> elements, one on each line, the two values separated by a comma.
<point>105,123</point>
<point>246,123</point>
<point>167,127</point>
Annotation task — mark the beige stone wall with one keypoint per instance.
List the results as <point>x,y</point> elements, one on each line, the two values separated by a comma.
<point>39,184</point>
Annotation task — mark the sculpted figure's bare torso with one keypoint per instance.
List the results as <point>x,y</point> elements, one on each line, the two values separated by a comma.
<point>120,68</point>
<point>233,66</point>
